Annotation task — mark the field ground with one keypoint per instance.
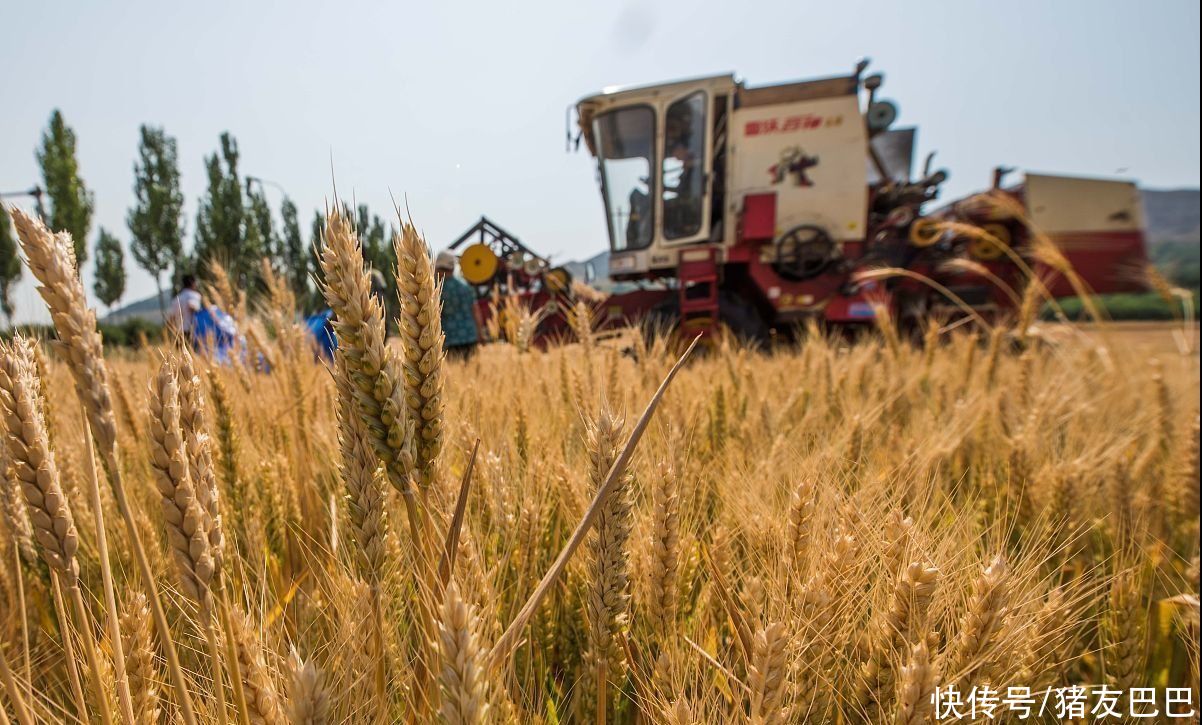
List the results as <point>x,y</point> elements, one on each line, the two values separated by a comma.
<point>817,535</point>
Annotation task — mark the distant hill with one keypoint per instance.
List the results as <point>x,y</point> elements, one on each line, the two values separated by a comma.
<point>145,309</point>
<point>1172,214</point>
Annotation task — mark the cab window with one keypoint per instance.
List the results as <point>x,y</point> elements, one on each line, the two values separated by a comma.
<point>683,172</point>
<point>626,157</point>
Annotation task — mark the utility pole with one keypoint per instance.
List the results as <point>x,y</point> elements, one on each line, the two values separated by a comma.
<point>36,192</point>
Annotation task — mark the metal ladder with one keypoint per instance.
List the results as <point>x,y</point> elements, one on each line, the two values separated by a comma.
<point>697,273</point>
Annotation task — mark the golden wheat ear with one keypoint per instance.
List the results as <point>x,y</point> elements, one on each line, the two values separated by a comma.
<point>308,701</point>
<point>509,640</point>
<point>420,328</point>
<point>51,259</point>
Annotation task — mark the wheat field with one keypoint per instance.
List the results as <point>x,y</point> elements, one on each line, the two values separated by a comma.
<point>825,532</point>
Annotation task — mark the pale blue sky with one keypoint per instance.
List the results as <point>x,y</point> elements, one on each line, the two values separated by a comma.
<point>460,106</point>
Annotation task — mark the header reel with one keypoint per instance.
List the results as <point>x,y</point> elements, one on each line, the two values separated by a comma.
<point>497,258</point>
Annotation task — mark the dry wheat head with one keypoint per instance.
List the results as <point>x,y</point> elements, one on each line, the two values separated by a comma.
<point>422,347</point>
<point>32,461</point>
<point>185,518</point>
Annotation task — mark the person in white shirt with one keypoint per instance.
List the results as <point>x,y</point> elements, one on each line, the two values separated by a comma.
<point>184,307</point>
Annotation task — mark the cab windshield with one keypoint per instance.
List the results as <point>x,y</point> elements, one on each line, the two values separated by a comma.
<point>626,157</point>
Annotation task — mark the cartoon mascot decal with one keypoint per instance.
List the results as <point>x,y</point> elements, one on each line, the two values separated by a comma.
<point>795,163</point>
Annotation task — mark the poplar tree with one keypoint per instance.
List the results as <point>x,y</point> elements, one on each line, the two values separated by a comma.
<point>220,221</point>
<point>109,285</point>
<point>155,222</point>
<point>71,203</point>
<point>10,265</point>
<point>294,256</point>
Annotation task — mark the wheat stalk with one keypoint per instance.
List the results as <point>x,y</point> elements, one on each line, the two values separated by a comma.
<point>138,642</point>
<point>916,685</point>
<point>190,530</point>
<point>766,675</point>
<point>420,327</point>
<point>376,377</point>
<point>365,508</point>
<point>463,676</point>
<point>1185,470</point>
<point>374,372</point>
<point>801,522</point>
<point>200,456</point>
<point>608,602</point>
<point>12,505</point>
<point>51,258</point>
<point>1045,638</point>
<point>34,467</point>
<point>664,546</point>
<point>24,717</point>
<point>581,318</point>
<point>308,694</point>
<point>262,698</point>
<point>185,517</point>
<point>31,463</point>
<point>981,623</point>
<point>897,631</point>
<point>360,474</point>
<point>229,445</point>
<point>1123,632</point>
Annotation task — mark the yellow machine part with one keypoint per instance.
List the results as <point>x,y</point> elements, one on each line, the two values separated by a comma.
<point>556,280</point>
<point>478,264</point>
<point>985,248</point>
<point>924,232</point>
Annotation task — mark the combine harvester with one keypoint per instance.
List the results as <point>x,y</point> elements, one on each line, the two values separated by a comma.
<point>758,208</point>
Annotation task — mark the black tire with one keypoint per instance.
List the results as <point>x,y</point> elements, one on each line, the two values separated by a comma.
<point>660,321</point>
<point>739,316</point>
<point>743,319</point>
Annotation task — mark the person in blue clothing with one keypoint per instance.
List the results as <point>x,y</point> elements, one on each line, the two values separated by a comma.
<point>461,323</point>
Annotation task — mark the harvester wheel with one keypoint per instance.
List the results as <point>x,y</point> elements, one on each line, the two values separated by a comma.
<point>804,252</point>
<point>743,320</point>
<point>660,321</point>
<point>735,315</point>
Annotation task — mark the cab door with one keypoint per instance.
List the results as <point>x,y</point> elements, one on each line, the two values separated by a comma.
<point>684,174</point>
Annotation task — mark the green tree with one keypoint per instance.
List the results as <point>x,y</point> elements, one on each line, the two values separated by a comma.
<point>155,222</point>
<point>317,229</point>
<point>71,203</point>
<point>10,265</point>
<point>220,221</point>
<point>380,254</point>
<point>260,233</point>
<point>110,269</point>
<point>294,257</point>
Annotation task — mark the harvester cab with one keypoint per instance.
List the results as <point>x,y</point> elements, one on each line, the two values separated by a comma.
<point>751,194</point>
<point>680,162</point>
<point>760,207</point>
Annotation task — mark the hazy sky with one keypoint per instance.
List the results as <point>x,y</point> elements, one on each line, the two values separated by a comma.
<point>460,106</point>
